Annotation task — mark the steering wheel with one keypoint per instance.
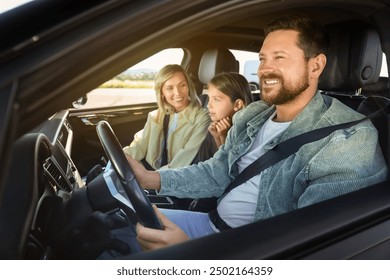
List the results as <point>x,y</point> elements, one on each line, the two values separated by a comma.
<point>122,168</point>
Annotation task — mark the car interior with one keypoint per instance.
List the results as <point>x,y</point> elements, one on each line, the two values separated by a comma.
<point>57,203</point>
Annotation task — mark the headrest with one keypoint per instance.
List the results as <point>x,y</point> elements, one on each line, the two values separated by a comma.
<point>215,61</point>
<point>354,57</point>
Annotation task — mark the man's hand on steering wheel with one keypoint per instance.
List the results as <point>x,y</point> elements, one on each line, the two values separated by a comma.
<point>136,195</point>
<point>151,239</point>
<point>148,179</point>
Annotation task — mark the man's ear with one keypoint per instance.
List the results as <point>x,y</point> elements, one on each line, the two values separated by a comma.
<point>317,65</point>
<point>238,105</point>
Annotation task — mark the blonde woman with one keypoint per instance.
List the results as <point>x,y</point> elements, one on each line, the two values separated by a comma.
<point>185,128</point>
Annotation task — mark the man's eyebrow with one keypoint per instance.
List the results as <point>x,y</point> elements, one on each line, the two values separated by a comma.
<point>261,54</point>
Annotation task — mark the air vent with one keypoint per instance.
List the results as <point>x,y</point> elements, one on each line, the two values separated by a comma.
<point>56,175</point>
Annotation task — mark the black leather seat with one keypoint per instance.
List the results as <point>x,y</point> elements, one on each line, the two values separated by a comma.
<point>380,88</point>
<point>354,61</point>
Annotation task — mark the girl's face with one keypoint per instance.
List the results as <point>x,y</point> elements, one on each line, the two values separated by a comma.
<point>220,105</point>
<point>176,92</point>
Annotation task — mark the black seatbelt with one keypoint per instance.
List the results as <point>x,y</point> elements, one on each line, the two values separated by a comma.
<point>164,156</point>
<point>285,149</point>
<point>280,152</point>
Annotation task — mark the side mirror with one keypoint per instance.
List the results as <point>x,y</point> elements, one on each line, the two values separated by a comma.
<point>80,102</point>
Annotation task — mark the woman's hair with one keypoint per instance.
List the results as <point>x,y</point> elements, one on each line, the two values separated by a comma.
<point>312,38</point>
<point>165,74</point>
<point>233,85</point>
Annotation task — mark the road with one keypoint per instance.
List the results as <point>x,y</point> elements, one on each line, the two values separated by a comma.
<point>105,97</point>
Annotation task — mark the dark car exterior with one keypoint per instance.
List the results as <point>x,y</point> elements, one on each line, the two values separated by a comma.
<point>54,52</point>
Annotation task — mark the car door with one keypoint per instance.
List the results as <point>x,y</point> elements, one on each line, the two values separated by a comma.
<point>87,150</point>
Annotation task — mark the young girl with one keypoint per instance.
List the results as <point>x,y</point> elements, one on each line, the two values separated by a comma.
<point>228,93</point>
<point>185,125</point>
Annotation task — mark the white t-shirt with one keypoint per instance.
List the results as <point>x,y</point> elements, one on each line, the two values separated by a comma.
<point>238,207</point>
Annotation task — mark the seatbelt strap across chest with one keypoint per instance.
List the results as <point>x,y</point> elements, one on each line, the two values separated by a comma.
<point>287,148</point>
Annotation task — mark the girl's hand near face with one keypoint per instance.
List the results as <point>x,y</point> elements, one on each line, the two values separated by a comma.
<point>219,130</point>
<point>213,129</point>
<point>214,132</point>
<point>223,127</point>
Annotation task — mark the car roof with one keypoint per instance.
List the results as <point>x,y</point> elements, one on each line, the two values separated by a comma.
<point>53,49</point>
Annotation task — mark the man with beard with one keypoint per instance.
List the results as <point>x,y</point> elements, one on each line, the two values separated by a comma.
<point>292,59</point>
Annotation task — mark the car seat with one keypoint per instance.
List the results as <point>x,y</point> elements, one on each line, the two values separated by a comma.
<point>380,88</point>
<point>354,61</point>
<point>213,62</point>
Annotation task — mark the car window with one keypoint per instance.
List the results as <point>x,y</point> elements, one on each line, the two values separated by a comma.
<point>384,71</point>
<point>249,62</point>
<point>135,85</point>
<point>244,57</point>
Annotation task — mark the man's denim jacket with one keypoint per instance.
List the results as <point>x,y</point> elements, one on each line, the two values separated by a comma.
<point>346,160</point>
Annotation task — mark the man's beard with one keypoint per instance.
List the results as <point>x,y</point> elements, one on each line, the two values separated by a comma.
<point>286,93</point>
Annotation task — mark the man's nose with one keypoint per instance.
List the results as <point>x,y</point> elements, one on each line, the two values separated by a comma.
<point>264,68</point>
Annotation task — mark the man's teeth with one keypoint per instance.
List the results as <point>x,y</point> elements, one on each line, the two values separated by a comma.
<point>271,82</point>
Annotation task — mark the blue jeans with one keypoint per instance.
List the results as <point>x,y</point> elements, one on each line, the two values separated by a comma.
<point>194,224</point>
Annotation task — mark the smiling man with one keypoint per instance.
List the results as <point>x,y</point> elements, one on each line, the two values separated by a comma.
<point>292,59</point>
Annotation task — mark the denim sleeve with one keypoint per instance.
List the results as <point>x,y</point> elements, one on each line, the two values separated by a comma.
<point>351,160</point>
<point>205,179</point>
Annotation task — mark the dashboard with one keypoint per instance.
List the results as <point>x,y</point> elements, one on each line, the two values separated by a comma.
<point>42,177</point>
<point>49,211</point>
<point>55,157</point>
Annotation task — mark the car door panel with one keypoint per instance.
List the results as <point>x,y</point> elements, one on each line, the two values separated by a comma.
<point>125,121</point>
